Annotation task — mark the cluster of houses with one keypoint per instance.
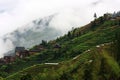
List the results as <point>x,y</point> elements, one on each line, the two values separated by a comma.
<point>21,52</point>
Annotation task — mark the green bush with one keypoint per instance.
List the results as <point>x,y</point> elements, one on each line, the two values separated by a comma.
<point>26,77</point>
<point>1,78</point>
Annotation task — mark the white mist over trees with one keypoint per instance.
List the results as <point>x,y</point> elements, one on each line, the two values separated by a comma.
<point>47,28</point>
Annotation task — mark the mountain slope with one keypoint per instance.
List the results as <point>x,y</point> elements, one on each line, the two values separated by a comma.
<point>77,56</point>
<point>95,64</point>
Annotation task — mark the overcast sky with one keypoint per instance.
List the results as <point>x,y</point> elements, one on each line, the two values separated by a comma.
<point>16,13</point>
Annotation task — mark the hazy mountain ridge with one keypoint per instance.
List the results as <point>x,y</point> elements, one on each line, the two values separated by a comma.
<point>32,33</point>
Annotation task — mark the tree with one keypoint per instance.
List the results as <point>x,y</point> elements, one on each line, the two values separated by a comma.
<point>66,76</point>
<point>93,24</point>
<point>103,70</point>
<point>1,78</point>
<point>106,16</point>
<point>69,35</point>
<point>26,77</point>
<point>101,20</point>
<point>44,43</point>
<point>116,47</point>
<point>114,15</point>
<point>88,72</point>
<point>95,15</point>
<point>119,22</point>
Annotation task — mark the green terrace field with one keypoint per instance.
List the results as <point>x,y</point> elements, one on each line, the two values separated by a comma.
<point>95,64</point>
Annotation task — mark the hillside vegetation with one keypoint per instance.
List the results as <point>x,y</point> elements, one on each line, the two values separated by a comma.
<point>85,53</point>
<point>96,64</point>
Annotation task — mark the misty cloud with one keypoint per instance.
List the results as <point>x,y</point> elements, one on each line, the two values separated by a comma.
<point>96,2</point>
<point>19,12</point>
<point>2,11</point>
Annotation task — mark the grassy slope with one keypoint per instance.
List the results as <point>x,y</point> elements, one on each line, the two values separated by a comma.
<point>75,68</point>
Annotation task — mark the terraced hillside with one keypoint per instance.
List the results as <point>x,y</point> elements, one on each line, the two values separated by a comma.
<point>93,64</point>
<point>85,53</point>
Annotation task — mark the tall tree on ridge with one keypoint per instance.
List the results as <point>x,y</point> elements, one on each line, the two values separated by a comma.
<point>95,15</point>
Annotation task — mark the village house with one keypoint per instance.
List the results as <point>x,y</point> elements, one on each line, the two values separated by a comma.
<point>20,52</point>
<point>37,49</point>
<point>115,18</point>
<point>57,46</point>
<point>19,49</point>
<point>40,47</point>
<point>32,52</point>
<point>1,61</point>
<point>118,18</point>
<point>8,59</point>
